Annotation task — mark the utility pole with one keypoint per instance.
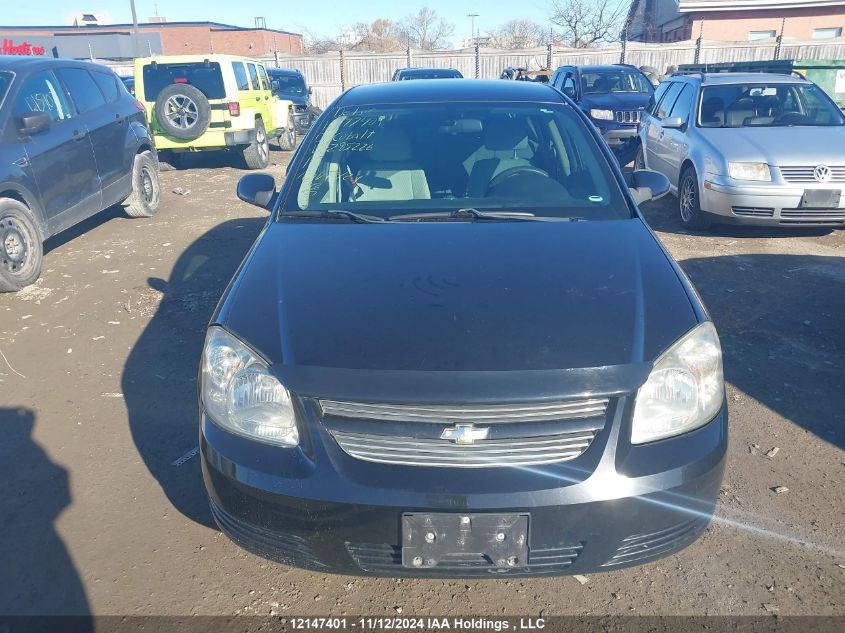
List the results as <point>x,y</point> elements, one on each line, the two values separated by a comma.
<point>136,44</point>
<point>472,17</point>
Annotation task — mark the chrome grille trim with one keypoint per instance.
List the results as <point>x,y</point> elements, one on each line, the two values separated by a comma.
<point>804,173</point>
<point>476,414</point>
<point>628,116</point>
<point>409,451</point>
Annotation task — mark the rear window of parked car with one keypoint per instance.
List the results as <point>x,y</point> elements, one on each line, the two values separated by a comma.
<point>82,88</point>
<point>108,84</point>
<point>207,78</point>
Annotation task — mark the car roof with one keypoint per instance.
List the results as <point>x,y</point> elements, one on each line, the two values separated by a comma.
<point>19,63</point>
<point>720,79</point>
<point>449,90</point>
<point>594,67</point>
<point>418,69</point>
<point>284,71</point>
<point>193,59</point>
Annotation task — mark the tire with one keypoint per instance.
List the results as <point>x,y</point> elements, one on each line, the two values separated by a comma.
<point>639,159</point>
<point>144,200</point>
<point>287,141</point>
<point>689,202</point>
<point>257,154</point>
<point>182,111</point>
<point>21,250</point>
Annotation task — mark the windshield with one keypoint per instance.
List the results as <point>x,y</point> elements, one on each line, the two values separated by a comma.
<point>762,105</point>
<point>604,81</point>
<point>386,160</point>
<point>205,77</point>
<point>289,84</point>
<point>5,80</point>
<point>429,74</point>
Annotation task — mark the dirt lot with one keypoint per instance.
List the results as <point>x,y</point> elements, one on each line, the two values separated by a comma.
<point>103,508</point>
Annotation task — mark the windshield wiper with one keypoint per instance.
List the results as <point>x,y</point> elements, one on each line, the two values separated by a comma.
<point>332,214</point>
<point>465,214</point>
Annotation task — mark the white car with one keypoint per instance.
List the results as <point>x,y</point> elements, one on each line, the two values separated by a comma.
<point>749,148</point>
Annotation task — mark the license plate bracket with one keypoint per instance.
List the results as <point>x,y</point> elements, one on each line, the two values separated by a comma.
<point>498,541</point>
<point>821,198</point>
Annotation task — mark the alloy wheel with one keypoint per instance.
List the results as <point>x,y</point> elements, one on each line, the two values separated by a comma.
<point>182,111</point>
<point>687,199</point>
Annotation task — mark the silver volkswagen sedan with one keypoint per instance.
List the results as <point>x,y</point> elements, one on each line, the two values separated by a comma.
<point>748,148</point>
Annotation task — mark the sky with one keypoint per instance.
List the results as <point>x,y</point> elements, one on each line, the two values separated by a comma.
<point>326,18</point>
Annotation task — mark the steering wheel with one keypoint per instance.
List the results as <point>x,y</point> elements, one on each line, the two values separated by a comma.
<point>790,118</point>
<point>514,171</point>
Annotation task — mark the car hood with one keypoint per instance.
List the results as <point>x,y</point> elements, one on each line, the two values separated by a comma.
<point>448,297</point>
<point>295,99</point>
<point>615,101</point>
<point>779,145</point>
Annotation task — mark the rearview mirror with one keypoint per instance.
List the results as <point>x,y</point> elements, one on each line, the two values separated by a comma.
<point>673,122</point>
<point>648,185</point>
<point>257,189</point>
<point>35,122</point>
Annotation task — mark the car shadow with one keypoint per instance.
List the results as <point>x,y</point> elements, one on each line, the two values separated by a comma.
<point>662,215</point>
<point>115,212</point>
<point>37,574</point>
<point>159,381</point>
<point>780,321</point>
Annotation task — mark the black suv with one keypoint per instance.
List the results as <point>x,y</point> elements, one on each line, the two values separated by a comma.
<point>613,96</point>
<point>74,142</point>
<point>289,84</point>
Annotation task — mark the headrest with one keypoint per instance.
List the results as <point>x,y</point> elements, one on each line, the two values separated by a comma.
<point>390,144</point>
<point>504,133</point>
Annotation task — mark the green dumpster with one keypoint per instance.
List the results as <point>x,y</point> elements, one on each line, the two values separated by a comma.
<point>828,74</point>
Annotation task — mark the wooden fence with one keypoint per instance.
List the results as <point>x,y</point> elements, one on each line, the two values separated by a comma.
<point>331,73</point>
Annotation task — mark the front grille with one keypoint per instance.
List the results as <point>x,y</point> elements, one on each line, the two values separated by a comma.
<point>413,451</point>
<point>628,116</point>
<point>642,547</point>
<point>387,559</point>
<point>476,414</point>
<point>813,215</point>
<point>804,173</point>
<point>753,212</point>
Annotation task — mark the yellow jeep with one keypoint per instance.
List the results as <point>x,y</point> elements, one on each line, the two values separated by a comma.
<point>212,102</point>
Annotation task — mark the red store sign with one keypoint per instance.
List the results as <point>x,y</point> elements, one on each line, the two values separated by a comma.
<point>24,48</point>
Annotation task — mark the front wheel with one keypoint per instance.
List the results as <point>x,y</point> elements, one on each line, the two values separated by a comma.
<point>287,141</point>
<point>257,154</point>
<point>689,202</point>
<point>146,191</point>
<point>639,159</point>
<point>20,247</point>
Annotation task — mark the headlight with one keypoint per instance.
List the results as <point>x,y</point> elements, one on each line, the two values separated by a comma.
<point>749,171</point>
<point>241,395</point>
<point>684,390</point>
<point>604,115</point>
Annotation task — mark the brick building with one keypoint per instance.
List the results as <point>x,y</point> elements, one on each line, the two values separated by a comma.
<point>735,20</point>
<point>117,41</point>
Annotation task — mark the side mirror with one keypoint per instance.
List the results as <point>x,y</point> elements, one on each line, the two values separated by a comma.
<point>257,189</point>
<point>35,122</point>
<point>310,90</point>
<point>569,91</point>
<point>648,185</point>
<point>673,122</point>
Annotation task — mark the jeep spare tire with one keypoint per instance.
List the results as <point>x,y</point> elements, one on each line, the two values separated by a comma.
<point>182,111</point>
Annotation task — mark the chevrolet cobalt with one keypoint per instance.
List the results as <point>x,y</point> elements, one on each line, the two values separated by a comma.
<point>456,349</point>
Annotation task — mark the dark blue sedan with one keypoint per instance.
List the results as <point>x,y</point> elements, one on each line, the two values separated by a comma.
<point>457,349</point>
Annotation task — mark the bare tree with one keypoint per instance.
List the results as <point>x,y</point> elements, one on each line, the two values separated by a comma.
<point>427,30</point>
<point>317,44</point>
<point>585,23</point>
<point>519,34</point>
<point>381,36</point>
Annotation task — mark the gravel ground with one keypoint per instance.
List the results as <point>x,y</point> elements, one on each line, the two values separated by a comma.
<point>103,508</point>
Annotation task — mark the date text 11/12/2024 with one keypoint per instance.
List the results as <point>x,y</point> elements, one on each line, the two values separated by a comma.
<point>410,623</point>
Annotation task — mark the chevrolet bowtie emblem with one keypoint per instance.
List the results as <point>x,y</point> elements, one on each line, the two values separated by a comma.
<point>464,433</point>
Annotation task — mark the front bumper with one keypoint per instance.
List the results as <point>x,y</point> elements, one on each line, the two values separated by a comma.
<point>615,506</point>
<point>766,204</point>
<point>622,139</point>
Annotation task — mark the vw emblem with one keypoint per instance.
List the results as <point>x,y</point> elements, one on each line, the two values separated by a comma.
<point>464,433</point>
<point>822,173</point>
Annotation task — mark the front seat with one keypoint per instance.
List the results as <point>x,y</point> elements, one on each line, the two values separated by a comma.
<point>389,174</point>
<point>506,145</point>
